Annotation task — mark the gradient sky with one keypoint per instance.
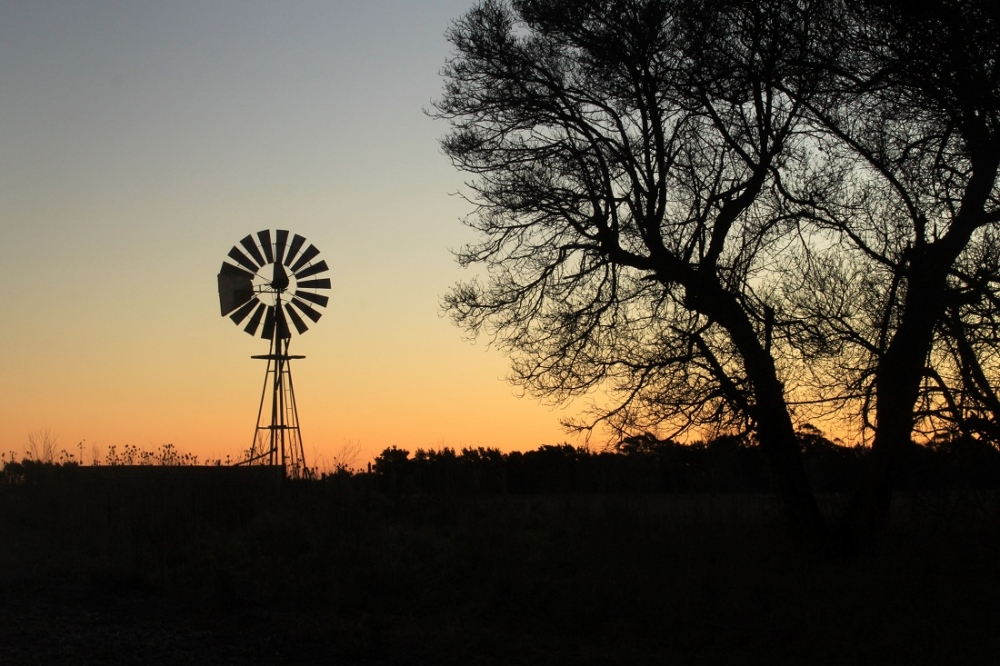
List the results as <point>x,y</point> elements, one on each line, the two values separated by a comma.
<point>139,141</point>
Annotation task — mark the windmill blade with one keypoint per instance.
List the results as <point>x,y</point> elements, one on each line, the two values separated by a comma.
<point>300,325</point>
<point>313,298</point>
<point>252,249</point>
<point>254,322</point>
<point>306,257</point>
<point>280,238</point>
<point>235,287</point>
<point>293,249</point>
<point>242,260</point>
<point>323,283</point>
<point>268,332</point>
<point>292,256</point>
<point>320,267</point>
<point>306,309</point>
<point>243,312</point>
<point>265,244</point>
<point>229,269</point>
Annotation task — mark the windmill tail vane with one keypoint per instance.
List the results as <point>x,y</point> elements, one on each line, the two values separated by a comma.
<point>269,286</point>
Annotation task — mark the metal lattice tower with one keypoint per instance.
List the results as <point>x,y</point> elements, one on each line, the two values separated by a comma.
<point>277,439</point>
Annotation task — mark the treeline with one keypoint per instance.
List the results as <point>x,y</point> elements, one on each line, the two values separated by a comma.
<point>645,464</point>
<point>638,464</point>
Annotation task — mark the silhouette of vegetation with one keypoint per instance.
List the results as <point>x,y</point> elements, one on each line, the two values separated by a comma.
<point>726,214</point>
<point>165,455</point>
<point>626,157</point>
<point>901,293</point>
<point>645,464</point>
<point>652,551</point>
<point>41,449</point>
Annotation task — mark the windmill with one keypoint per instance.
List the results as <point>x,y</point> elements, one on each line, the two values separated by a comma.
<point>273,282</point>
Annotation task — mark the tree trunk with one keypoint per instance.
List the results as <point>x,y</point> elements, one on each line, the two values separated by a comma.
<point>775,431</point>
<point>776,435</point>
<point>898,378</point>
<point>897,386</point>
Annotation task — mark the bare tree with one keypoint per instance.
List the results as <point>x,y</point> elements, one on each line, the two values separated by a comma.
<point>910,115</point>
<point>41,446</point>
<point>958,397</point>
<point>625,158</point>
<point>719,211</point>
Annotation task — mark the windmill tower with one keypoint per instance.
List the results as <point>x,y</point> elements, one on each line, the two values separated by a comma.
<point>273,282</point>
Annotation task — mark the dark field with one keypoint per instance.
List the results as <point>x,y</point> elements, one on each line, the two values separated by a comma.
<point>208,565</point>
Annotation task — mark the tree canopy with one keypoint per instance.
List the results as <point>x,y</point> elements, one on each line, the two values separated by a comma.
<point>719,212</point>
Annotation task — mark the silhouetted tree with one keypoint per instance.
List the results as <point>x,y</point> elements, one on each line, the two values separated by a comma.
<point>392,464</point>
<point>625,157</point>
<point>901,296</point>
<point>715,209</point>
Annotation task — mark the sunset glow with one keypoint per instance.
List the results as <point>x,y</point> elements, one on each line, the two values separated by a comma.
<point>141,141</point>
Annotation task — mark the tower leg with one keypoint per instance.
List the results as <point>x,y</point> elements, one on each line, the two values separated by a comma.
<point>277,440</point>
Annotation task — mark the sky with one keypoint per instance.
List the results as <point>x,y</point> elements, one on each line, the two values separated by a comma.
<point>139,141</point>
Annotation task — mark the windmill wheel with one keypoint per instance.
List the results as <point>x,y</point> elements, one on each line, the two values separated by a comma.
<point>274,282</point>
